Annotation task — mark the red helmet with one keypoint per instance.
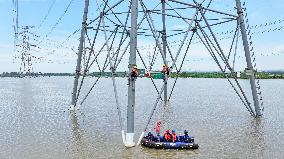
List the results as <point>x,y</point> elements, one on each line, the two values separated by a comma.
<point>167,131</point>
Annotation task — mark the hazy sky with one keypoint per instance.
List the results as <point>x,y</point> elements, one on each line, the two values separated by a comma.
<point>268,41</point>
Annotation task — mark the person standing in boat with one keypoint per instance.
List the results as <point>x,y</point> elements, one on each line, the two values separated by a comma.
<point>158,128</point>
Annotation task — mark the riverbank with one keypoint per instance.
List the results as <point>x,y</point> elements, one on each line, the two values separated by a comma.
<point>241,75</point>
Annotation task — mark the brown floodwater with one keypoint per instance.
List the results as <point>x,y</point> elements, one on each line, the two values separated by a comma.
<point>35,122</point>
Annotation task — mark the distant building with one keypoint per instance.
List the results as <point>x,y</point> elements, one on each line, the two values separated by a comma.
<point>238,74</point>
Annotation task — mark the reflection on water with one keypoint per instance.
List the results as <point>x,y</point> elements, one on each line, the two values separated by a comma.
<point>77,144</point>
<point>257,135</point>
<point>35,122</point>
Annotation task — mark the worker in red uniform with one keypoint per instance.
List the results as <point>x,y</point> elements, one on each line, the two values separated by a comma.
<point>158,128</point>
<point>134,73</point>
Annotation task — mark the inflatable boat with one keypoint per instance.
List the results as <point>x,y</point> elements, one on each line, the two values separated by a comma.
<point>160,144</point>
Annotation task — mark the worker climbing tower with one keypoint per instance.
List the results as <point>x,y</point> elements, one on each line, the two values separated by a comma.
<point>130,28</point>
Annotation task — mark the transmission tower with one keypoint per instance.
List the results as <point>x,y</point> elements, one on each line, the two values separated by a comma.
<point>25,47</point>
<point>121,26</point>
<point>15,22</point>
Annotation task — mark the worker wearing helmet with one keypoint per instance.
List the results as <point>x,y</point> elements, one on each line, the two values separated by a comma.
<point>134,73</point>
<point>186,137</point>
<point>158,128</point>
<point>168,136</point>
<point>150,136</point>
<point>165,69</point>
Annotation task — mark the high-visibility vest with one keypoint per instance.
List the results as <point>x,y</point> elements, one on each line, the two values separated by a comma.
<point>168,136</point>
<point>174,137</point>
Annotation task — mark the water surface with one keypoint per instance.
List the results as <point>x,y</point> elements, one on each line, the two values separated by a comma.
<point>35,122</point>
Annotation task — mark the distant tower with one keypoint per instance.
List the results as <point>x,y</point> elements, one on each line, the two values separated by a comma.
<point>24,47</point>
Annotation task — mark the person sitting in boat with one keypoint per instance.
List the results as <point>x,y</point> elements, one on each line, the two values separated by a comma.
<point>186,137</point>
<point>168,136</point>
<point>150,137</point>
<point>174,136</point>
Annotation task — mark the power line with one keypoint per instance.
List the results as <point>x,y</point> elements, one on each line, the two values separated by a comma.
<point>45,17</point>
<point>58,21</point>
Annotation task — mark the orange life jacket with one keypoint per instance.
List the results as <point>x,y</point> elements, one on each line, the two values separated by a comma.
<point>168,136</point>
<point>174,137</point>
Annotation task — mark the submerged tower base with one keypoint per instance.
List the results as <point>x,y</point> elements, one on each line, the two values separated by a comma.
<point>129,140</point>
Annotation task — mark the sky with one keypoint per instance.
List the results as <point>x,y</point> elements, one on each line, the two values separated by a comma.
<point>268,41</point>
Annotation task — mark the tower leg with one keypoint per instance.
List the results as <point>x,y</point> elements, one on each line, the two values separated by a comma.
<point>250,70</point>
<point>131,82</point>
<point>79,59</point>
<point>164,50</point>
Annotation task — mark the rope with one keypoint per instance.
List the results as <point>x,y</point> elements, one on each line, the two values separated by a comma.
<point>178,71</point>
<point>146,68</point>
<point>154,107</point>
